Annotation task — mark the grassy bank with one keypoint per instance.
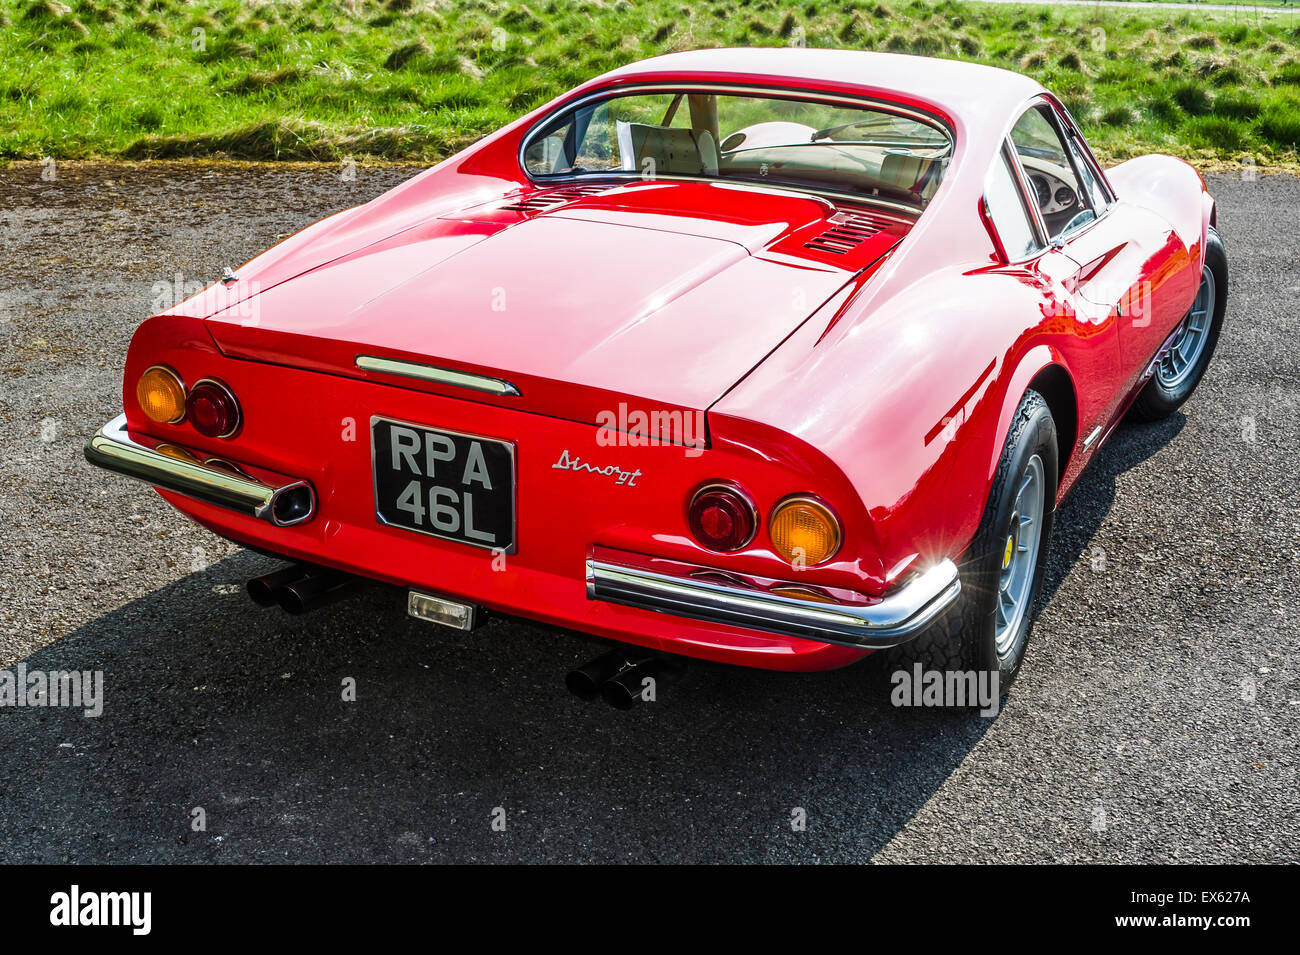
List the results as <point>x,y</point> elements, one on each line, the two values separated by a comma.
<point>412,79</point>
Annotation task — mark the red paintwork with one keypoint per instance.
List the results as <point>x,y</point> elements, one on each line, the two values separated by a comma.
<point>882,381</point>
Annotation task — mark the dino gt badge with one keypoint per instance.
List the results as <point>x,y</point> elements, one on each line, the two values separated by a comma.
<point>575,463</point>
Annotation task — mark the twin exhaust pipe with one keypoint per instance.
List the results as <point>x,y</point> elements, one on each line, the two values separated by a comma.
<point>300,588</point>
<point>620,680</point>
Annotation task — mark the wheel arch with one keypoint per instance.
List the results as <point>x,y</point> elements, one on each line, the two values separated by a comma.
<point>1056,386</point>
<point>1041,369</point>
<point>1209,220</point>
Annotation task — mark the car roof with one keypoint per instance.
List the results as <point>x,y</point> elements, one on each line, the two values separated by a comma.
<point>966,92</point>
<point>979,103</point>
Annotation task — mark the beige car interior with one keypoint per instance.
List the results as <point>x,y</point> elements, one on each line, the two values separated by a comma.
<point>670,150</point>
<point>884,161</point>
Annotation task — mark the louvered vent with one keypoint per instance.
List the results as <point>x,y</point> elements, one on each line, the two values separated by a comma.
<point>541,202</point>
<point>846,231</point>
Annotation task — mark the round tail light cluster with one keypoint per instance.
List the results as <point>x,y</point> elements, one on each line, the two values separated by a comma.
<point>212,409</point>
<point>804,532</point>
<point>209,406</point>
<point>161,395</point>
<point>722,517</point>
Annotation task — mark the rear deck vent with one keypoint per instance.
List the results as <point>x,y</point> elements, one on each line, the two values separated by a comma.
<point>847,230</point>
<point>543,201</point>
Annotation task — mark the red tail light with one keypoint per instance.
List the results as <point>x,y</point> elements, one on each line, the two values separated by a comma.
<point>722,517</point>
<point>212,409</point>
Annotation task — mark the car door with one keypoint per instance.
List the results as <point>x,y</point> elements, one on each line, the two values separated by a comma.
<point>1086,336</point>
<point>1100,249</point>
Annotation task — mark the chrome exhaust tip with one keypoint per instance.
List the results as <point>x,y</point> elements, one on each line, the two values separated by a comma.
<point>292,504</point>
<point>276,498</point>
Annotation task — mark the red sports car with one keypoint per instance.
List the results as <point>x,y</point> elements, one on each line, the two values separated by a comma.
<point>770,357</point>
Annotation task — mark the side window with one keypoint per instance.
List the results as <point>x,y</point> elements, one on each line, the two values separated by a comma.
<point>1007,210</point>
<point>1092,186</point>
<point>546,156</point>
<point>1064,203</point>
<point>617,134</point>
<point>598,147</point>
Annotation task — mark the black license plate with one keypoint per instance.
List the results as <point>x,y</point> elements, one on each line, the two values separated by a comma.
<point>459,487</point>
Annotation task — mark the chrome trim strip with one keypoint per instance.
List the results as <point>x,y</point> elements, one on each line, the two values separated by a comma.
<point>114,449</point>
<point>1093,436</point>
<point>443,376</point>
<point>894,620</point>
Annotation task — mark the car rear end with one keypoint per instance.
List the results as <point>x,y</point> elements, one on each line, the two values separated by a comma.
<point>518,512</point>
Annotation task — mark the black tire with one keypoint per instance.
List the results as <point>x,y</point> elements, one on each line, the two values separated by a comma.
<point>1157,400</point>
<point>964,638</point>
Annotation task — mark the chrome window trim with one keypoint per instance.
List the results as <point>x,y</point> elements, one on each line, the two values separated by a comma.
<point>1007,154</point>
<point>1066,134</point>
<point>1073,132</point>
<point>1027,193</point>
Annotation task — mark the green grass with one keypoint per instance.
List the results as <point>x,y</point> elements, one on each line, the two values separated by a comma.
<point>418,79</point>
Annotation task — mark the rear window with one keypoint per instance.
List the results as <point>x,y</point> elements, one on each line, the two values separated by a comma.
<point>778,141</point>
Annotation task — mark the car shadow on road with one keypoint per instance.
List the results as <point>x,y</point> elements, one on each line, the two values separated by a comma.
<point>1081,516</point>
<point>220,712</point>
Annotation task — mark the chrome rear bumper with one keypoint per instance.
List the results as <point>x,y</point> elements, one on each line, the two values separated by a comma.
<point>831,616</point>
<point>259,493</point>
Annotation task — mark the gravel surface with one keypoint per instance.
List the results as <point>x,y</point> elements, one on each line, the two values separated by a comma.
<point>1155,719</point>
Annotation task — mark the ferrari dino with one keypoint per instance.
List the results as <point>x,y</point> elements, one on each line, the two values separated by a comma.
<point>770,357</point>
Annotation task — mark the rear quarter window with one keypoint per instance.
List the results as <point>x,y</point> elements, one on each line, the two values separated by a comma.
<point>1006,208</point>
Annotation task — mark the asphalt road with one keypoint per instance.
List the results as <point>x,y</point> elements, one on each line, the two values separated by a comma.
<point>1155,720</point>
